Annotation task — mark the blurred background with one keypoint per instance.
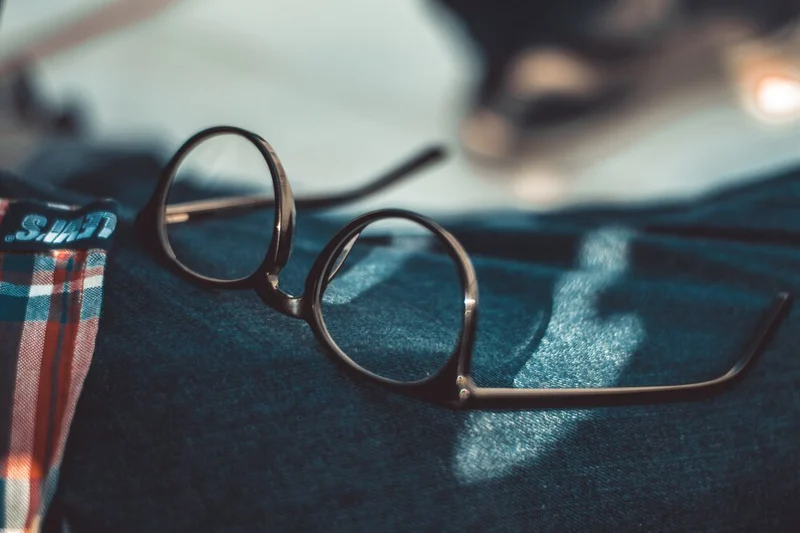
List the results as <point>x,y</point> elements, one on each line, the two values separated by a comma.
<point>540,104</point>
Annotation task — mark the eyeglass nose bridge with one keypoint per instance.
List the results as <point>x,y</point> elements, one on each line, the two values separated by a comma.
<point>267,285</point>
<point>267,288</point>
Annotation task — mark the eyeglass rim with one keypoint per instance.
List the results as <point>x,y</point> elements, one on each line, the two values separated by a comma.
<point>281,237</point>
<point>439,387</point>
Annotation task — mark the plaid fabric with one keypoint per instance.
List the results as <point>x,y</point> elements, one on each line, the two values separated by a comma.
<point>49,310</point>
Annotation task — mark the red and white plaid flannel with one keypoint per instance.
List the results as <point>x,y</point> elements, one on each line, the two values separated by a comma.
<point>51,285</point>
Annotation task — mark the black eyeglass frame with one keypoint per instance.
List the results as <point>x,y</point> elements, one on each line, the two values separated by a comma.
<point>452,386</point>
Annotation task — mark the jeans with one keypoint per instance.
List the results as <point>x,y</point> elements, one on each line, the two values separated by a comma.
<point>208,411</point>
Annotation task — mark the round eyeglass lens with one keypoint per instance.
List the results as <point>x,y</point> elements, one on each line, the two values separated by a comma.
<point>394,301</point>
<point>219,211</point>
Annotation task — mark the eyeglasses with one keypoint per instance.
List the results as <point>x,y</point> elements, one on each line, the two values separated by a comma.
<point>452,384</point>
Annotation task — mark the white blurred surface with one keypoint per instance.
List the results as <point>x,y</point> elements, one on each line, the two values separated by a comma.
<point>345,89</point>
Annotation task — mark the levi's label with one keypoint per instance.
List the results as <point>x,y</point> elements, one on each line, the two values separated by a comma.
<point>31,225</point>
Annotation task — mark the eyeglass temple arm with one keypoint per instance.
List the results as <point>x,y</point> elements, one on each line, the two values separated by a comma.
<point>182,212</point>
<point>491,398</point>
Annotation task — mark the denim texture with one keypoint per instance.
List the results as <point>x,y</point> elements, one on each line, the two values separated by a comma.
<point>208,411</point>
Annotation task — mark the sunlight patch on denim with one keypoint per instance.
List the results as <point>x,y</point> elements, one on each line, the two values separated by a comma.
<point>578,349</point>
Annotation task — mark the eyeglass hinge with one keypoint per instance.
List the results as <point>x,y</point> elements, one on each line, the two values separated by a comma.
<point>463,393</point>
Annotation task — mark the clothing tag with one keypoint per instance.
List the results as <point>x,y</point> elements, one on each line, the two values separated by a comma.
<point>33,226</point>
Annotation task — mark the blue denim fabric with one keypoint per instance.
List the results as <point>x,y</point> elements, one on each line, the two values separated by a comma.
<point>208,411</point>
